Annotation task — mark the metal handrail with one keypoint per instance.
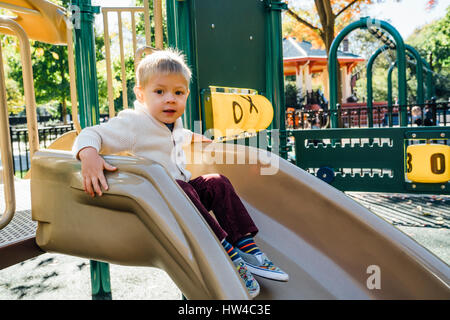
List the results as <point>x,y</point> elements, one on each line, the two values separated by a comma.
<point>157,11</point>
<point>73,85</point>
<point>27,74</point>
<point>6,153</point>
<point>30,105</point>
<point>6,150</point>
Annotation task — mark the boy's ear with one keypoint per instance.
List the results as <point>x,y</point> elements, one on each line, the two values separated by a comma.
<point>139,94</point>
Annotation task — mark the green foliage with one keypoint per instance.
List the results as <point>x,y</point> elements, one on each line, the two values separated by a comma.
<point>102,77</point>
<point>116,63</point>
<point>14,91</point>
<point>290,93</point>
<point>365,44</point>
<point>50,70</point>
<point>433,43</point>
<point>130,76</point>
<point>50,73</point>
<point>140,28</point>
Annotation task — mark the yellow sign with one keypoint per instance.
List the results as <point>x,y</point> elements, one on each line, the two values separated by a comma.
<point>235,113</point>
<point>428,163</point>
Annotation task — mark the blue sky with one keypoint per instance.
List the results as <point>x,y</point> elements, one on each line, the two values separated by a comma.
<point>405,16</point>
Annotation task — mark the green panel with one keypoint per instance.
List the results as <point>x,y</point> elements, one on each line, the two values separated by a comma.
<point>230,45</point>
<point>390,156</point>
<point>346,156</point>
<point>180,32</point>
<point>226,48</point>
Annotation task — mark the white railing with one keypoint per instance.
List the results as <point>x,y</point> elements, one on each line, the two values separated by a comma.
<point>158,40</point>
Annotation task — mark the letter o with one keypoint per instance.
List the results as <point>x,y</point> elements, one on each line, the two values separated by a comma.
<point>437,163</point>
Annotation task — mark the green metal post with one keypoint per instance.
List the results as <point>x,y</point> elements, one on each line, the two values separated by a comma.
<point>369,83</point>
<point>274,70</point>
<point>411,52</point>
<point>389,86</point>
<point>100,281</point>
<point>364,23</point>
<point>87,88</point>
<point>419,72</point>
<point>429,81</point>
<point>181,36</point>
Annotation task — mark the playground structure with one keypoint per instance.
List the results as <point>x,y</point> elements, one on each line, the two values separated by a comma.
<point>345,158</point>
<point>327,244</point>
<point>420,64</point>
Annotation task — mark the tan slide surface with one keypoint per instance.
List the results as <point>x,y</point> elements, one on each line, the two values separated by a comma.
<point>327,242</point>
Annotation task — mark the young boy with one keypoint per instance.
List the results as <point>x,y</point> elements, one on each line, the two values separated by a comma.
<point>154,130</point>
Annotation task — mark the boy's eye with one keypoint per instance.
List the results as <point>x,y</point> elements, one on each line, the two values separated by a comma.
<point>158,91</point>
<point>179,93</point>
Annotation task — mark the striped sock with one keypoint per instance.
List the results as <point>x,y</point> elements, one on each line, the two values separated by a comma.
<point>232,252</point>
<point>248,245</point>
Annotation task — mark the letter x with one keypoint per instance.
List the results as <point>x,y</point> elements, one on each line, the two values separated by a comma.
<point>252,105</point>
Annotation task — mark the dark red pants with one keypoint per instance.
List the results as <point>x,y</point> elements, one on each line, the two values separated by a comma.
<point>215,192</point>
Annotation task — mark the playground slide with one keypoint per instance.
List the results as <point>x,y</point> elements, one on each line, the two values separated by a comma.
<point>332,247</point>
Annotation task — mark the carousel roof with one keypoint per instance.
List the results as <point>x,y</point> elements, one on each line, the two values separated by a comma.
<point>292,49</point>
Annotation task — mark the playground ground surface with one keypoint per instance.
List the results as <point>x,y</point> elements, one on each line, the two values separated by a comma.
<point>50,276</point>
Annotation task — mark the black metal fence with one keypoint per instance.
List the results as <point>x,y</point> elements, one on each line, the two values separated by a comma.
<point>356,116</point>
<point>21,148</point>
<point>352,115</point>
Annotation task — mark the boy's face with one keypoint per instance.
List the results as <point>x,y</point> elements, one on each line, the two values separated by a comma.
<point>164,96</point>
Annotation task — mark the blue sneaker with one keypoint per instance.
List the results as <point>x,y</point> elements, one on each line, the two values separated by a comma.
<point>260,265</point>
<point>250,282</point>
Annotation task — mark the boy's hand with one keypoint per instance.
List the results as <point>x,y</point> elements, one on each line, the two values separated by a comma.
<point>92,166</point>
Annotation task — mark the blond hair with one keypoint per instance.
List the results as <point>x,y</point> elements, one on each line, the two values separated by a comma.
<point>167,61</point>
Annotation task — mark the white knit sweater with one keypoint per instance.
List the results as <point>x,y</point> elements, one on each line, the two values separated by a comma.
<point>138,132</point>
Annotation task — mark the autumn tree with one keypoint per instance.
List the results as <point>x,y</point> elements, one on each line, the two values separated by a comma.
<point>326,18</point>
<point>433,43</point>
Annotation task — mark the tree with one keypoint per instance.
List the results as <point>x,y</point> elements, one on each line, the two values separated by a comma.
<point>433,43</point>
<point>10,54</point>
<point>116,64</point>
<point>320,22</point>
<point>50,73</point>
<point>326,18</point>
